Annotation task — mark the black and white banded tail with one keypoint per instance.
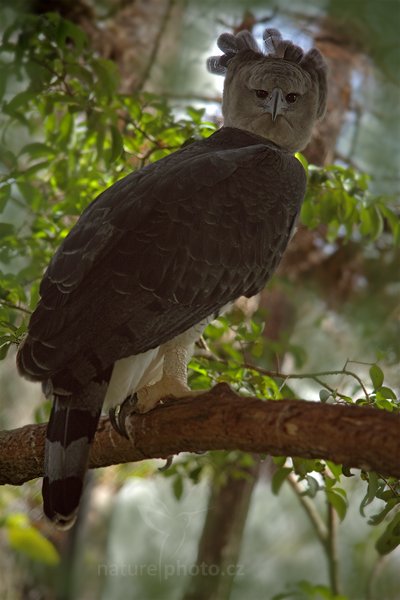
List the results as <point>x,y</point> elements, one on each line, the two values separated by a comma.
<point>70,432</point>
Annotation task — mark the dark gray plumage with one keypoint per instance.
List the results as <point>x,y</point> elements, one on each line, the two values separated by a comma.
<point>160,253</point>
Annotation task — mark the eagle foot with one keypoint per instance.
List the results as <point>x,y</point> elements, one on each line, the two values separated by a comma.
<point>118,414</point>
<point>148,397</point>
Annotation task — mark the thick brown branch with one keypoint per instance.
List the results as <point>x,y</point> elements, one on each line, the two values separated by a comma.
<point>355,436</point>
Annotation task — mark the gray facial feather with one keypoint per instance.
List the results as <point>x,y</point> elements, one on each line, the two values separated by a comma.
<point>282,73</point>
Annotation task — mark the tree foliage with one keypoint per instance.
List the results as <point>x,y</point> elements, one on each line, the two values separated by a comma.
<point>67,134</point>
<point>78,136</point>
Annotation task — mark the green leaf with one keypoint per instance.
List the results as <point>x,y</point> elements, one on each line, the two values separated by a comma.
<point>6,229</point>
<point>377,376</point>
<point>67,32</point>
<point>28,540</point>
<point>80,73</point>
<point>37,149</point>
<point>278,478</point>
<point>3,80</point>
<point>302,466</point>
<point>195,473</point>
<point>324,395</point>
<point>380,516</point>
<point>20,100</point>
<point>338,502</point>
<point>383,403</point>
<point>65,128</point>
<point>377,223</point>
<point>373,485</point>
<point>177,487</point>
<point>387,392</point>
<point>35,168</point>
<point>393,220</point>
<point>390,538</point>
<point>31,195</point>
<point>313,486</point>
<point>5,194</point>
<point>117,146</point>
<point>335,469</point>
<point>195,114</point>
<point>5,345</point>
<point>107,75</point>
<point>39,76</point>
<point>304,590</point>
<point>8,158</point>
<point>279,461</point>
<point>302,160</point>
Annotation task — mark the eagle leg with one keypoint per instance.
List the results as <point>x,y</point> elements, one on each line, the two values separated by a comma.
<point>173,381</point>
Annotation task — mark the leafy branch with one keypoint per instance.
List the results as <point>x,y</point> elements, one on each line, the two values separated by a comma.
<point>341,199</point>
<point>326,534</point>
<point>314,377</point>
<point>224,358</point>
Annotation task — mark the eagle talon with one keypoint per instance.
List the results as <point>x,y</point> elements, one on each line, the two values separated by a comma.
<point>168,463</point>
<point>118,414</point>
<point>113,415</point>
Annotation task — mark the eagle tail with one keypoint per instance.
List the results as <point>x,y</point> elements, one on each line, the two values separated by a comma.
<point>70,432</point>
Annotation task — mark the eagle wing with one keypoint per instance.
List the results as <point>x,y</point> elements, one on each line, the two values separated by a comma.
<point>161,250</point>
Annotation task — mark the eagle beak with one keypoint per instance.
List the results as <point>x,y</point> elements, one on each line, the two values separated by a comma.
<point>276,103</point>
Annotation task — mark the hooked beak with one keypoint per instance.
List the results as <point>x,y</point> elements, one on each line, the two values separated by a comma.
<point>276,103</point>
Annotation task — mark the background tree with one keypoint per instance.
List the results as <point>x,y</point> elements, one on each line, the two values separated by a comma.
<point>71,126</point>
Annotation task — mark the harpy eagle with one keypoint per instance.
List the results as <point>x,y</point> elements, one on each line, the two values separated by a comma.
<point>159,254</point>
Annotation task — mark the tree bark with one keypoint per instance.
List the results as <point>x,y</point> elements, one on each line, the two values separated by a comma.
<point>360,437</point>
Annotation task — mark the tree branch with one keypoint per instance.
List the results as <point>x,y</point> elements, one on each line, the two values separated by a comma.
<point>359,437</point>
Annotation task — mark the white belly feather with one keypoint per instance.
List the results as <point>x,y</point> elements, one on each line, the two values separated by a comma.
<point>134,373</point>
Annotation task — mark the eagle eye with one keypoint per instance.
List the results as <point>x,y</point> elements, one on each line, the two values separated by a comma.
<point>291,98</point>
<point>262,93</point>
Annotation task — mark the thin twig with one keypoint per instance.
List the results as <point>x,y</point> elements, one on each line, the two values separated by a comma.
<point>311,512</point>
<point>15,307</point>
<point>331,550</point>
<point>314,376</point>
<point>325,534</point>
<point>390,486</point>
<point>156,46</point>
